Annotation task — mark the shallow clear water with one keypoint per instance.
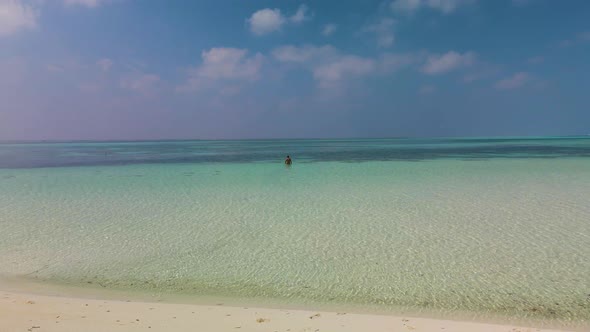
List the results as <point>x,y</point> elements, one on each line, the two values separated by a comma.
<point>444,229</point>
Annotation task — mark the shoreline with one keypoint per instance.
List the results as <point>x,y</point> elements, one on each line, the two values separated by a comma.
<point>32,306</point>
<point>33,312</point>
<point>19,285</point>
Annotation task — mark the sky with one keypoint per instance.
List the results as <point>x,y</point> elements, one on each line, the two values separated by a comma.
<point>231,69</point>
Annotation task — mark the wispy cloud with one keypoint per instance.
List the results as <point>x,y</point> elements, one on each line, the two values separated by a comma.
<point>383,30</point>
<point>443,63</point>
<point>104,64</point>
<point>584,36</point>
<point>328,66</point>
<point>140,82</point>
<point>580,38</point>
<point>536,60</point>
<point>427,89</point>
<point>392,62</point>
<point>522,3</point>
<point>54,68</point>
<point>331,68</point>
<point>481,70</point>
<point>406,6</point>
<point>331,73</point>
<point>329,29</point>
<point>443,6</point>
<point>16,15</point>
<point>300,15</point>
<point>307,53</point>
<point>229,63</point>
<point>515,81</point>
<point>223,64</point>
<point>87,3</point>
<point>267,20</point>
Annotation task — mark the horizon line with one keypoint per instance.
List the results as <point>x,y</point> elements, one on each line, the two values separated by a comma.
<point>33,141</point>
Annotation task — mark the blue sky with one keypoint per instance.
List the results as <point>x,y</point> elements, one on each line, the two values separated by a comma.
<point>130,69</point>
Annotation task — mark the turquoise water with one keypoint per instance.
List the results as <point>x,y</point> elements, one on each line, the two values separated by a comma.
<point>483,226</point>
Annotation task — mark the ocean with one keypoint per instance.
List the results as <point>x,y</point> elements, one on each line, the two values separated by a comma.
<point>496,227</point>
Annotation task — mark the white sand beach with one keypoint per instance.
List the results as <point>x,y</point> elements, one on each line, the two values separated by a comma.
<point>40,313</point>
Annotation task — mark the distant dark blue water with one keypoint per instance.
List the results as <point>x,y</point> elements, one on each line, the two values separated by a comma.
<point>33,155</point>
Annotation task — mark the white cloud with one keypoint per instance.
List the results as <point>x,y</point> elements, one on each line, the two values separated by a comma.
<point>300,15</point>
<point>443,6</point>
<point>331,73</point>
<point>229,63</point>
<point>329,29</point>
<point>15,15</point>
<point>87,3</point>
<point>266,21</point>
<point>142,83</point>
<point>384,32</point>
<point>515,81</point>
<point>224,64</point>
<point>331,68</point>
<point>104,64</point>
<point>443,63</point>
<point>305,53</point>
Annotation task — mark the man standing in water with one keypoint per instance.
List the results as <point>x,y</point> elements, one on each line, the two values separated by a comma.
<point>288,160</point>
